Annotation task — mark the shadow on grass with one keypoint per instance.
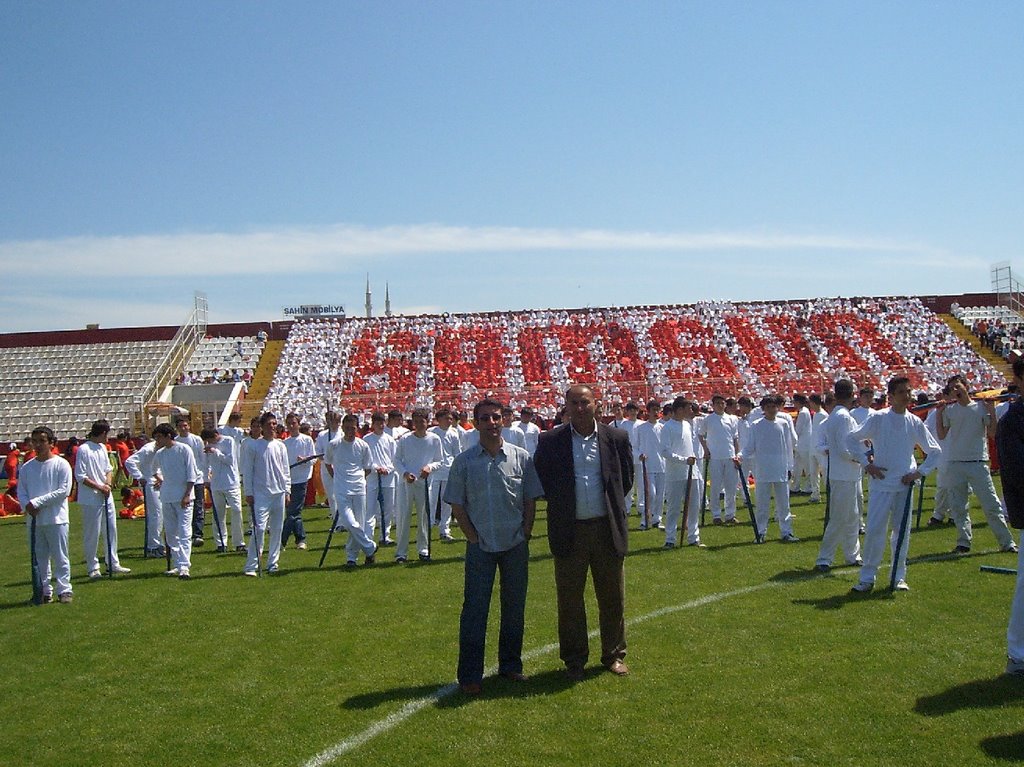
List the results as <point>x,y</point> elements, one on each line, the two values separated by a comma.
<point>1007,747</point>
<point>448,695</point>
<point>980,693</point>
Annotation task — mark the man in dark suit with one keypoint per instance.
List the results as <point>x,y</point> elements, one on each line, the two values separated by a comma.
<point>1010,447</point>
<point>586,469</point>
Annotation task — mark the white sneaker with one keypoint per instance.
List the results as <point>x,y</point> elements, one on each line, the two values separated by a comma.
<point>902,586</point>
<point>172,572</point>
<point>94,574</point>
<point>301,545</point>
<point>249,573</point>
<point>121,569</point>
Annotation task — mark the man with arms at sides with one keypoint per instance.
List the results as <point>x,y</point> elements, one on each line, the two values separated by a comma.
<point>348,461</point>
<point>529,429</point>
<point>843,480</point>
<point>225,487</point>
<point>964,429</point>
<point>1010,445</point>
<point>451,446</point>
<point>492,489</point>
<point>419,453</point>
<point>323,439</point>
<point>719,433</point>
<point>195,444</point>
<point>511,433</point>
<point>381,481</point>
<point>769,445</point>
<point>94,475</point>
<point>301,450</point>
<point>176,475</point>
<point>267,480</point>
<point>585,469</point>
<point>44,485</point>
<point>894,433</point>
<point>647,448</point>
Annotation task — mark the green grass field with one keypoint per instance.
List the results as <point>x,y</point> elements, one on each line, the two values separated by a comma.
<point>740,654</point>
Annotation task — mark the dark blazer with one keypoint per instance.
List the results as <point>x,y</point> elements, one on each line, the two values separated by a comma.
<point>553,461</point>
<point>1010,447</point>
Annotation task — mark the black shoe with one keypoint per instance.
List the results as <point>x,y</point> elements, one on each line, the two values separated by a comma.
<point>221,549</point>
<point>197,541</point>
<point>424,557</point>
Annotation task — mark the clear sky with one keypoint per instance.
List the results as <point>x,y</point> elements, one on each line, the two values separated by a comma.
<point>500,155</point>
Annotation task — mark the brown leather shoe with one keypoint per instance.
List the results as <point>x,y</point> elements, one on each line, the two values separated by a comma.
<point>514,676</point>
<point>575,673</point>
<point>619,668</point>
<point>471,688</point>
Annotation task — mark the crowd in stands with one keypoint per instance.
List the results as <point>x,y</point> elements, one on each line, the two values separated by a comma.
<point>529,357</point>
<point>230,359</point>
<point>998,328</point>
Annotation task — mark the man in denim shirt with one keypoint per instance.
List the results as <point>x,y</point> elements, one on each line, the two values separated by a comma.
<point>492,489</point>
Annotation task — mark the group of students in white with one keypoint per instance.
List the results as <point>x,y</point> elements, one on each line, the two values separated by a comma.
<point>376,482</point>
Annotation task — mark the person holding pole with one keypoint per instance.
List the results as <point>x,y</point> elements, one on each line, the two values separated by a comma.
<point>492,488</point>
<point>225,487</point>
<point>419,453</point>
<point>267,479</point>
<point>44,484</point>
<point>176,476</point>
<point>140,467</point>
<point>678,447</point>
<point>719,433</point>
<point>380,483</point>
<point>195,443</point>
<point>769,444</point>
<point>95,477</point>
<point>647,447</point>
<point>894,433</point>
<point>842,483</point>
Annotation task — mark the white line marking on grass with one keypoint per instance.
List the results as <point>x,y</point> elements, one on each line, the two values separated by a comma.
<point>412,707</point>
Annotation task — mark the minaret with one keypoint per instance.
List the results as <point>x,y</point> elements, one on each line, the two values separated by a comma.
<point>369,298</point>
<point>387,300</point>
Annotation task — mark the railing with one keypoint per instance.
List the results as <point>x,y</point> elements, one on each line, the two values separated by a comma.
<point>182,345</point>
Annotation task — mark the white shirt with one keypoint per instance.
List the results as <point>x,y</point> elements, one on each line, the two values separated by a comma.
<point>511,435</point>
<point>351,461</point>
<point>223,462</point>
<point>770,445</point>
<point>91,462</point>
<point>451,446</point>
<point>648,443</point>
<point>721,433</point>
<point>967,438</point>
<point>300,446</point>
<point>531,432</point>
<point>139,464</point>
<point>46,485</point>
<point>843,465</point>
<point>382,455</point>
<point>676,448</point>
<point>198,452</point>
<point>893,437</point>
<point>176,467</point>
<point>265,468</point>
<point>417,453</point>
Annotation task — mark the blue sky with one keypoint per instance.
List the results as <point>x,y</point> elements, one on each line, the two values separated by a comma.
<point>488,155</point>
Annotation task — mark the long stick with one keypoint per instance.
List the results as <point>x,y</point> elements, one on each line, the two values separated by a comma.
<point>258,539</point>
<point>167,548</point>
<point>897,555</point>
<point>145,521</point>
<point>380,506</point>
<point>647,492</point>
<point>828,491</point>
<point>686,503</point>
<point>920,505</point>
<point>426,510</point>
<point>330,534</point>
<point>758,538</point>
<point>704,494</point>
<point>307,459</point>
<point>221,540</point>
<point>110,546</point>
<point>37,586</point>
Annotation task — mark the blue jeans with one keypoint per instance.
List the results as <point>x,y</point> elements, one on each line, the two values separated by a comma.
<point>198,510</point>
<point>293,515</point>
<point>480,568</point>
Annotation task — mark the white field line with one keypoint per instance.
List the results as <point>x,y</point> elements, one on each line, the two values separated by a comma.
<point>412,707</point>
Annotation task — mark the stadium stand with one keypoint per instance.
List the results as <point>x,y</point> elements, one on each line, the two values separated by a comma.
<point>224,358</point>
<point>530,357</point>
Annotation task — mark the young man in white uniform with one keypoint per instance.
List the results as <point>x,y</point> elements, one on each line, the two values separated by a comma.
<point>349,459</point>
<point>769,445</point>
<point>185,436</point>
<point>648,451</point>
<point>267,480</point>
<point>894,433</point>
<point>844,473</point>
<point>382,479</point>
<point>301,450</point>
<point>419,453</point>
<point>95,476</point>
<point>529,429</point>
<point>44,484</point>
<point>677,443</point>
<point>175,475</point>
<point>323,439</point>
<point>719,433</point>
<point>451,446</point>
<point>225,487</point>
